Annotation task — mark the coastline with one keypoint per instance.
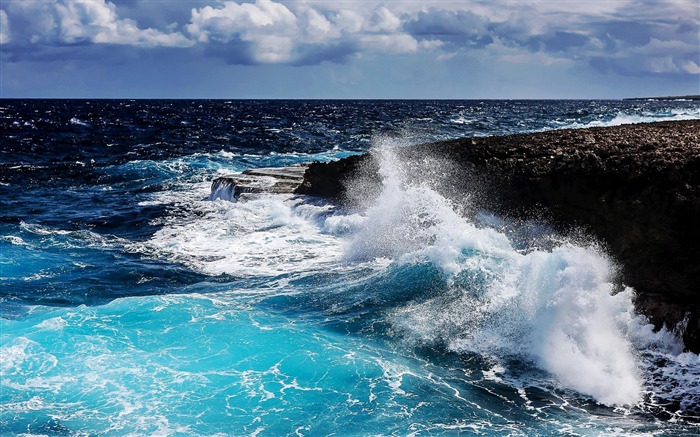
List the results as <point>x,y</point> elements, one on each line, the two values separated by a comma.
<point>634,187</point>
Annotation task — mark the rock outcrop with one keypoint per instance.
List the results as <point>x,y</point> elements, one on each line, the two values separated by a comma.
<point>273,180</point>
<point>635,187</point>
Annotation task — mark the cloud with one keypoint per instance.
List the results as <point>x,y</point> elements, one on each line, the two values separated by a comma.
<point>383,21</point>
<point>628,32</point>
<point>268,32</point>
<point>4,28</point>
<point>268,28</point>
<point>244,21</point>
<point>631,37</point>
<point>656,57</point>
<point>440,22</point>
<point>74,22</point>
<point>559,41</point>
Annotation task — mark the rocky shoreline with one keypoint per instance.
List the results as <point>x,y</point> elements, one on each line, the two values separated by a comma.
<point>634,187</point>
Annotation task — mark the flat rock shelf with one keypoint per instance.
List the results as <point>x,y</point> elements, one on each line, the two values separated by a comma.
<point>274,180</point>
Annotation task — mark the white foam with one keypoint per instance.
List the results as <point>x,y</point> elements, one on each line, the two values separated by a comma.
<point>53,324</point>
<point>73,238</point>
<point>573,329</point>
<point>412,222</point>
<point>78,122</point>
<point>264,236</point>
<point>555,308</point>
<point>23,354</point>
<point>14,240</point>
<point>623,118</point>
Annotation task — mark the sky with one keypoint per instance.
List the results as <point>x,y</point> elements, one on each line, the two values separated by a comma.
<point>402,49</point>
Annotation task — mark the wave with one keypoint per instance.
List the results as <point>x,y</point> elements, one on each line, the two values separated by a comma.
<point>626,117</point>
<point>267,236</point>
<point>79,122</point>
<point>411,313</point>
<point>560,309</point>
<point>553,302</point>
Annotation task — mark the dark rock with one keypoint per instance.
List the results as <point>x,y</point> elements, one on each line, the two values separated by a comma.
<point>330,179</point>
<point>635,187</point>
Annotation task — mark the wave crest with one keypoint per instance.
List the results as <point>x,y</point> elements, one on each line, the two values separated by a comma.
<point>556,308</point>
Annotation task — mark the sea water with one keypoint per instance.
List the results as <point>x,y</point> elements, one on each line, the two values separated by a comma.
<point>132,304</point>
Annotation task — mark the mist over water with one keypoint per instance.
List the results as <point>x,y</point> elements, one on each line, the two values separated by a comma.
<point>132,304</point>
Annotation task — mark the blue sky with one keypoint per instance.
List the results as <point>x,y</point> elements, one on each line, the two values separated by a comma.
<point>349,49</point>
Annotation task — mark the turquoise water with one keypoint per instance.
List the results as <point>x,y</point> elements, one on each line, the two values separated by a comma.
<point>132,304</point>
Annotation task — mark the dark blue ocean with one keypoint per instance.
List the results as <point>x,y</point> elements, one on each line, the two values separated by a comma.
<point>132,304</point>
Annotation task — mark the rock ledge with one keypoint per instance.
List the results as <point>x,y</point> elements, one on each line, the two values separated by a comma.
<point>635,187</point>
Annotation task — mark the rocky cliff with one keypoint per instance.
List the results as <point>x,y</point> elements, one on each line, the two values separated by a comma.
<point>635,187</point>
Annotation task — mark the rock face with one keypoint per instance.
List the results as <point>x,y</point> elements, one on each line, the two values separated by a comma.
<point>635,187</point>
<point>260,180</point>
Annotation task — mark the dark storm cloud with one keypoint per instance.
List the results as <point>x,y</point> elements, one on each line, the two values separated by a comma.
<point>455,28</point>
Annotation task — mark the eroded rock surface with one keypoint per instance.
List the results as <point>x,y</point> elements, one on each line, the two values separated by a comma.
<point>273,180</point>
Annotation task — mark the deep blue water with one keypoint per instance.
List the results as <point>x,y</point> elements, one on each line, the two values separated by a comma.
<point>131,304</point>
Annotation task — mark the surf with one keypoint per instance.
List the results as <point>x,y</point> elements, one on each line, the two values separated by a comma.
<point>155,308</point>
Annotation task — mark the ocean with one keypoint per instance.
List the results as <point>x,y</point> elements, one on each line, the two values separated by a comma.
<point>132,303</point>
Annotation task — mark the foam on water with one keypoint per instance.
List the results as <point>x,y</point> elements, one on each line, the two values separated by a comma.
<point>265,236</point>
<point>626,117</point>
<point>158,312</point>
<point>557,308</point>
<point>195,364</point>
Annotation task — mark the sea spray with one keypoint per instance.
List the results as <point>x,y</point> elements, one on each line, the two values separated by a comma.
<point>265,236</point>
<point>562,306</point>
<point>555,308</point>
<point>473,284</point>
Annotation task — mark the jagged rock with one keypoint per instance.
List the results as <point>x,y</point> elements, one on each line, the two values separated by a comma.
<point>635,187</point>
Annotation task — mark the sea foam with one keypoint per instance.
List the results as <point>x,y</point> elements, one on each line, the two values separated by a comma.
<point>557,309</point>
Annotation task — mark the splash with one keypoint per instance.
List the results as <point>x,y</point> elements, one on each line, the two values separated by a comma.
<point>266,236</point>
<point>625,117</point>
<point>471,283</point>
<point>555,308</point>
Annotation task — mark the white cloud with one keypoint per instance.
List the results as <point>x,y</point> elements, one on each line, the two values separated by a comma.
<point>661,64</point>
<point>317,27</point>
<point>645,36</point>
<point>348,21</point>
<point>276,33</point>
<point>399,43</point>
<point>383,20</point>
<point>246,21</point>
<point>76,21</point>
<point>690,67</point>
<point>4,28</point>
<point>267,26</point>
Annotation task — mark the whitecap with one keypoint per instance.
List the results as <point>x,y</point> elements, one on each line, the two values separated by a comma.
<point>559,309</point>
<point>79,122</point>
